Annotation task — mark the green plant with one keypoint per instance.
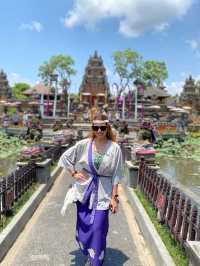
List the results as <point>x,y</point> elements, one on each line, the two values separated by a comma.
<point>18,205</point>
<point>176,251</point>
<point>10,146</point>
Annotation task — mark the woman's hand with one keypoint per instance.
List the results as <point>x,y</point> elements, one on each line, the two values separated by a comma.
<point>114,205</point>
<point>80,176</point>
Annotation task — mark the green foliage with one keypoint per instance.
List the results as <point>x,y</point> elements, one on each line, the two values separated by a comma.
<point>176,251</point>
<point>10,146</point>
<point>128,66</point>
<point>11,111</point>
<point>18,89</point>
<point>155,72</point>
<point>61,64</point>
<point>45,72</point>
<point>188,149</point>
<point>18,205</point>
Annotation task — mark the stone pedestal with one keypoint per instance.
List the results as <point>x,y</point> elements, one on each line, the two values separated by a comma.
<point>131,172</point>
<point>43,171</point>
<point>21,164</point>
<point>193,252</point>
<point>127,150</point>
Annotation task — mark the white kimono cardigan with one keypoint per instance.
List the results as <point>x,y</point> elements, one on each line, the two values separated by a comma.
<point>110,171</point>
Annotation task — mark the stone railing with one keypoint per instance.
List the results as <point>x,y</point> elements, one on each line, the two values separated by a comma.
<point>175,207</point>
<point>180,212</point>
<point>14,186</point>
<point>19,181</point>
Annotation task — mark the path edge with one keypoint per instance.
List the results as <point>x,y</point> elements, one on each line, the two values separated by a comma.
<point>154,242</point>
<point>19,221</point>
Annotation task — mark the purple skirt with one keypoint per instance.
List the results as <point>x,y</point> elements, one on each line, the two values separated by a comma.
<point>92,237</point>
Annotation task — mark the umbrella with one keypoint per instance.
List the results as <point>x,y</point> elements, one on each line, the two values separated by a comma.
<point>154,107</point>
<point>187,107</point>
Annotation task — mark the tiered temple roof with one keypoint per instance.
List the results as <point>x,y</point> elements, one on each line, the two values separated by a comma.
<point>5,90</point>
<point>189,87</point>
<point>190,96</point>
<point>95,82</point>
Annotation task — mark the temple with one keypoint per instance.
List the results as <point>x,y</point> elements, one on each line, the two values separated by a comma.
<point>5,90</point>
<point>190,95</point>
<point>94,90</point>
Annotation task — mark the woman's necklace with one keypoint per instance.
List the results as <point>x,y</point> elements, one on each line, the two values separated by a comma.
<point>99,148</point>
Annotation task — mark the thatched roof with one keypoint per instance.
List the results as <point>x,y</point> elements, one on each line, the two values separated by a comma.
<point>151,91</point>
<point>39,89</point>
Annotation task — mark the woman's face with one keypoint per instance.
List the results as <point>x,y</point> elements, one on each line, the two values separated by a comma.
<point>99,129</point>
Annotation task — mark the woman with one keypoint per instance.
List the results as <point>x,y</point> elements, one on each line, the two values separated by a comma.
<point>97,159</point>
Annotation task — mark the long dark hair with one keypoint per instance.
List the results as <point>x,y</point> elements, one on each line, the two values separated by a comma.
<point>110,134</point>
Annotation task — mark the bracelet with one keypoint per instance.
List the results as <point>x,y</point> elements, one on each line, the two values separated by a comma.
<point>75,172</point>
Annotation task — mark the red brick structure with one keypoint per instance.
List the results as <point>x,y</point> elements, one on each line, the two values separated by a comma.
<point>94,89</point>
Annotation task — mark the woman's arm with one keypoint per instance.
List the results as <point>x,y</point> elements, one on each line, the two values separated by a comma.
<point>114,200</point>
<point>68,161</point>
<point>116,180</point>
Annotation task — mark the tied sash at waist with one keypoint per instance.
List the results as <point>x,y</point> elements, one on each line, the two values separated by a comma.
<point>93,186</point>
<point>89,172</point>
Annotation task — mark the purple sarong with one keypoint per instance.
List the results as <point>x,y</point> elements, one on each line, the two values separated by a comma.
<point>92,224</point>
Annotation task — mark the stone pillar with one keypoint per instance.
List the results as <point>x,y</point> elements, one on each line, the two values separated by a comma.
<point>43,171</point>
<point>131,173</point>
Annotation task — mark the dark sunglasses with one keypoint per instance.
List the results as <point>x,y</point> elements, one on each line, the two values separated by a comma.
<point>96,128</point>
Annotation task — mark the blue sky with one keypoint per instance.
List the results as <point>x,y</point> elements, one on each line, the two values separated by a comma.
<point>32,31</point>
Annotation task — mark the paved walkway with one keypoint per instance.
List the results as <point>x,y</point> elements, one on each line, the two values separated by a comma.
<point>48,238</point>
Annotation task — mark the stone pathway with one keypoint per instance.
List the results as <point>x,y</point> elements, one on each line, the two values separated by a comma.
<point>48,238</point>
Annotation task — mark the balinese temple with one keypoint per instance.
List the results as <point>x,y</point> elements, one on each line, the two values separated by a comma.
<point>94,90</point>
<point>5,90</point>
<point>190,96</point>
<point>155,95</point>
<point>147,98</point>
<point>44,96</point>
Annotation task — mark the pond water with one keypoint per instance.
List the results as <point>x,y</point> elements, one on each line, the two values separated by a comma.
<point>7,166</point>
<point>186,172</point>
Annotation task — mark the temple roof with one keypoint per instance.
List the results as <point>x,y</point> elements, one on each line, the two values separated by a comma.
<point>95,78</point>
<point>152,91</point>
<point>39,89</point>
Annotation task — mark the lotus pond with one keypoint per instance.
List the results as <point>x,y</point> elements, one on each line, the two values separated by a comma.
<point>180,161</point>
<point>10,148</point>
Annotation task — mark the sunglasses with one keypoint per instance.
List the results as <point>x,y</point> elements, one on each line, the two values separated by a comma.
<point>96,128</point>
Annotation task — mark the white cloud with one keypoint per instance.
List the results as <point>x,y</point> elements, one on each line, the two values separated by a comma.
<point>33,26</point>
<point>176,87</point>
<point>17,78</point>
<point>135,17</point>
<point>193,44</point>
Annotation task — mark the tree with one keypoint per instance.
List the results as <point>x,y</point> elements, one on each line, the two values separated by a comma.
<point>155,72</point>
<point>18,89</point>
<point>63,66</point>
<point>45,72</point>
<point>128,65</point>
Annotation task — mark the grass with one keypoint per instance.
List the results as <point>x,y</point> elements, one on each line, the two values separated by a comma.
<point>18,205</point>
<point>176,251</point>
<point>53,166</point>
